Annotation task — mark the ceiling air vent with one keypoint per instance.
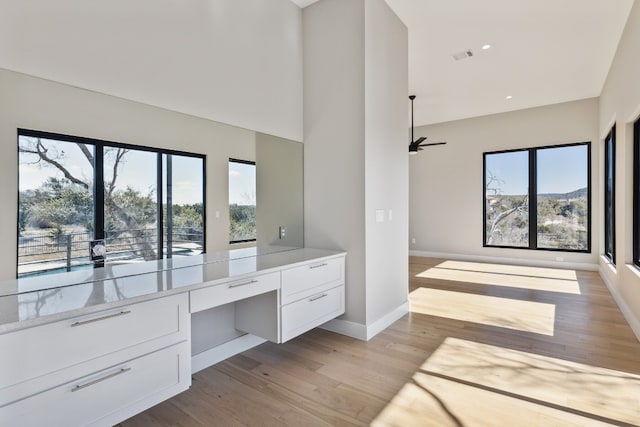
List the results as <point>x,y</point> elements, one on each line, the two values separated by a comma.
<point>462,55</point>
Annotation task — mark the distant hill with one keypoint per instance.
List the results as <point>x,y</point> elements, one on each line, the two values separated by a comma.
<point>577,194</point>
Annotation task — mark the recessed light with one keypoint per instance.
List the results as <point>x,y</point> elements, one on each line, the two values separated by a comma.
<point>509,97</point>
<point>486,47</point>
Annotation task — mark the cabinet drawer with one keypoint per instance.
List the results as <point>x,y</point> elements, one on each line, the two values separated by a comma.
<point>309,279</point>
<point>213,296</point>
<point>312,311</point>
<point>36,351</point>
<point>103,398</point>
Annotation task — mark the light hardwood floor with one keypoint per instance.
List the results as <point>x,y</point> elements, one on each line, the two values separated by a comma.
<point>485,345</point>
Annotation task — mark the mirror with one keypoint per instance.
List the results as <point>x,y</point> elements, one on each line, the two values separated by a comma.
<point>66,110</point>
<point>265,183</point>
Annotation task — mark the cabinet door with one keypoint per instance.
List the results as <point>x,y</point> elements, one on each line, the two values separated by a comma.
<point>312,311</point>
<point>224,293</point>
<point>106,397</point>
<point>34,352</point>
<point>309,279</point>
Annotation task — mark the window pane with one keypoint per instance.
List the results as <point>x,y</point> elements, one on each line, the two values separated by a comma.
<point>506,199</point>
<point>242,201</point>
<point>130,204</point>
<point>609,196</point>
<point>183,205</point>
<point>562,208</point>
<point>55,205</point>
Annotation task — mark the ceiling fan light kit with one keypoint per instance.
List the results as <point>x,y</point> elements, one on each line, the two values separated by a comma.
<point>415,146</point>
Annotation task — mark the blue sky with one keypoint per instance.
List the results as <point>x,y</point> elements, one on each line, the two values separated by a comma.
<point>242,183</point>
<point>560,170</point>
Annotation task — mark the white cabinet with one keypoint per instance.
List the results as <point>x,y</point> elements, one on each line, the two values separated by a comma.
<point>311,278</point>
<point>108,396</point>
<point>220,294</point>
<point>310,295</point>
<point>300,316</point>
<point>118,357</point>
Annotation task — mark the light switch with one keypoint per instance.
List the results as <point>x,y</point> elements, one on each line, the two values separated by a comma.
<point>390,215</point>
<point>380,215</point>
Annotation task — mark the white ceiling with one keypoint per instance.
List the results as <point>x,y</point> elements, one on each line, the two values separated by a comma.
<point>543,52</point>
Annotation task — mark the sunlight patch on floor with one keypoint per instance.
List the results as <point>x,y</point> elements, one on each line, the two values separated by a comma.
<point>512,280</point>
<point>517,270</point>
<point>520,315</point>
<point>589,389</point>
<point>429,401</point>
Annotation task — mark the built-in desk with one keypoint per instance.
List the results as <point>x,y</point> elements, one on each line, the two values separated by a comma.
<point>95,347</point>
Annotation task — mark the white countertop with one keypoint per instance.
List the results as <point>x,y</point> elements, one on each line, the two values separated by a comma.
<point>43,299</point>
<point>111,271</point>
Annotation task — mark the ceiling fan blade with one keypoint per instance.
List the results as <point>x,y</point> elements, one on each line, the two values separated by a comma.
<point>432,143</point>
<point>419,140</point>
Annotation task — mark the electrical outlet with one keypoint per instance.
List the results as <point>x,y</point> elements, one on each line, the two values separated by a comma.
<point>413,240</point>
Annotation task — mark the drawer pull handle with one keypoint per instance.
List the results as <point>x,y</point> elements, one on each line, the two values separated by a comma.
<point>317,298</point>
<point>318,265</point>
<point>235,285</point>
<point>99,380</point>
<point>97,319</point>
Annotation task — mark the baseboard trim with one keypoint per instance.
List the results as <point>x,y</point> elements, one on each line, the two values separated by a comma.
<point>628,314</point>
<point>346,327</point>
<point>221,352</point>
<point>364,332</point>
<point>510,261</point>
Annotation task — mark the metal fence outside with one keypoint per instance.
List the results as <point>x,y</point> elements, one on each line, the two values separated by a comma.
<point>69,249</point>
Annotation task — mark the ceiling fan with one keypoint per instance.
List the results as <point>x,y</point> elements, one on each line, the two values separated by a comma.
<point>415,146</point>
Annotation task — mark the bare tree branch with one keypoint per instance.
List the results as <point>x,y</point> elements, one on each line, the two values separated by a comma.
<point>42,152</point>
<point>119,156</point>
<point>493,179</point>
<point>87,153</point>
<point>503,215</point>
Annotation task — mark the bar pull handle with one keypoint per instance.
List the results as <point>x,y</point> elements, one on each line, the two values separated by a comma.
<point>235,285</point>
<point>317,298</point>
<point>318,265</point>
<point>97,319</point>
<point>99,380</point>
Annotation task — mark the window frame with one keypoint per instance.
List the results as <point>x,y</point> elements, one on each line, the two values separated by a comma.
<point>636,193</point>
<point>610,215</point>
<point>98,182</point>
<point>244,162</point>
<point>533,198</point>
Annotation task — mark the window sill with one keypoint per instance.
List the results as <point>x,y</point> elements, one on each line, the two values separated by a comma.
<point>634,270</point>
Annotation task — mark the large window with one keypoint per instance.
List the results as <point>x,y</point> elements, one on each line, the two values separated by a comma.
<point>242,201</point>
<point>636,193</point>
<point>144,203</point>
<point>538,198</point>
<point>610,195</point>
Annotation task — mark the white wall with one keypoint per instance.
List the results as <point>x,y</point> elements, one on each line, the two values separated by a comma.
<point>446,182</point>
<point>355,85</point>
<point>620,104</point>
<point>386,160</point>
<point>236,62</point>
<point>33,103</point>
<point>334,131</point>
